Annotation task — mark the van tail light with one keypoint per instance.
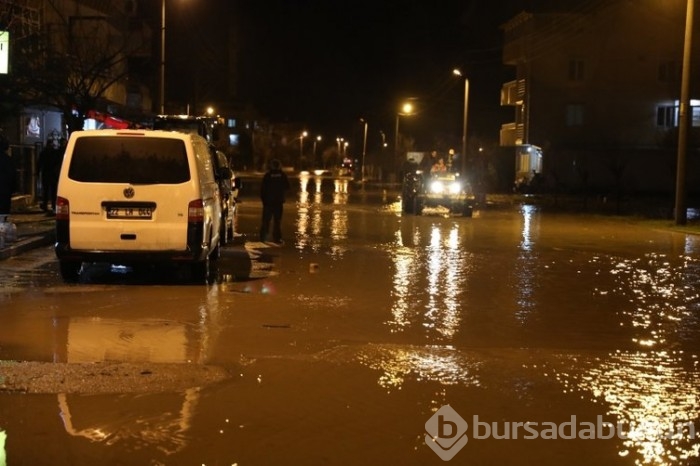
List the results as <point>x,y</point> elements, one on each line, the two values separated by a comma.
<point>62,208</point>
<point>195,211</point>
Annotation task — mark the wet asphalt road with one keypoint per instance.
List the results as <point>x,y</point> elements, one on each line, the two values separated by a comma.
<point>343,343</point>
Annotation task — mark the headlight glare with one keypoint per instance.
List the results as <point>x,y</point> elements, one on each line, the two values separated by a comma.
<point>437,187</point>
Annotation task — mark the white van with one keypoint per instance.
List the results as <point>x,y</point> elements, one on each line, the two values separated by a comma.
<point>130,196</point>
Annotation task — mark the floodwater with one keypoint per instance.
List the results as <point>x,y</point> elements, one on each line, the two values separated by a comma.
<point>558,339</point>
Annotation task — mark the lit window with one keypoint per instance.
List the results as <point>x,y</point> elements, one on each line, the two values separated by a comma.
<point>695,120</point>
<point>667,116</point>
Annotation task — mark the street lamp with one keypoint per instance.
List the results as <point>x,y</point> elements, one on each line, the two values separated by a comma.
<point>301,143</point>
<point>680,212</point>
<point>457,72</point>
<point>162,57</point>
<point>364,149</point>
<point>340,142</point>
<point>318,139</point>
<point>406,109</point>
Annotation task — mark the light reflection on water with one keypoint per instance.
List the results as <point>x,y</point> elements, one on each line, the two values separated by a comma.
<point>652,395</point>
<point>444,365</point>
<point>142,420</point>
<point>651,391</point>
<point>526,263</point>
<point>430,280</point>
<point>662,295</point>
<point>311,233</point>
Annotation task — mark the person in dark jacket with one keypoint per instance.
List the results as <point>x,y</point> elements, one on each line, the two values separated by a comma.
<point>273,190</point>
<point>7,176</point>
<point>49,168</point>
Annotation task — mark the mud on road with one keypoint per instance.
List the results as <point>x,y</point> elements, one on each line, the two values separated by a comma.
<point>105,377</point>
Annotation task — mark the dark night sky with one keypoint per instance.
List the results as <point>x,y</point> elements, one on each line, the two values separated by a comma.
<point>327,63</point>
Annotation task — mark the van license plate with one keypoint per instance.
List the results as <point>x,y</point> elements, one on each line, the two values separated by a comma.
<point>137,213</point>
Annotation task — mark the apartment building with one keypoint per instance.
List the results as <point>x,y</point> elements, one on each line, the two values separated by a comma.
<point>90,55</point>
<point>596,96</point>
<point>70,64</point>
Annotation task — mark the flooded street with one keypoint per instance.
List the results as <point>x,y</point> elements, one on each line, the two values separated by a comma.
<point>557,338</point>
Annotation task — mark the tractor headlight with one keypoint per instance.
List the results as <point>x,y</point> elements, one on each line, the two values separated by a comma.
<point>455,187</point>
<point>437,187</point>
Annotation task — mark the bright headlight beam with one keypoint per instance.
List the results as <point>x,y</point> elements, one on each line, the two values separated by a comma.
<point>437,187</point>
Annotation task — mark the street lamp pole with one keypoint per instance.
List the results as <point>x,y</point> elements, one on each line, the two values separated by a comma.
<point>364,149</point>
<point>301,144</point>
<point>407,109</point>
<point>162,57</point>
<point>464,122</point>
<point>318,139</point>
<point>680,209</point>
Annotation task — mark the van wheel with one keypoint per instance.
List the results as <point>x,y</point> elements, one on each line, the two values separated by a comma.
<point>70,270</point>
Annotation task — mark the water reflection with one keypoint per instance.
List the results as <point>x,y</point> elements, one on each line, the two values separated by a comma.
<point>397,365</point>
<point>429,281</point>
<point>653,397</point>
<point>663,298</point>
<point>155,422</point>
<point>651,391</point>
<point>156,425</point>
<point>96,339</point>
<point>527,263</point>
<point>311,229</point>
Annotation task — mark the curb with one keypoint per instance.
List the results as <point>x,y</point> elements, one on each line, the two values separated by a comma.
<point>26,243</point>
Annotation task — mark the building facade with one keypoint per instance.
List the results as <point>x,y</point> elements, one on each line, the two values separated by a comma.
<point>595,96</point>
<point>71,64</point>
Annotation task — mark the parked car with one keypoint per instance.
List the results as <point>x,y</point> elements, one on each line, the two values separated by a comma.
<point>186,124</point>
<point>229,194</point>
<point>422,189</point>
<point>137,196</point>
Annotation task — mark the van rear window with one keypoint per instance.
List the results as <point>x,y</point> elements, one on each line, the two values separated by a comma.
<point>114,159</point>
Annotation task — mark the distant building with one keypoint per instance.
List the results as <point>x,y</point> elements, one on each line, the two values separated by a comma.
<point>596,96</point>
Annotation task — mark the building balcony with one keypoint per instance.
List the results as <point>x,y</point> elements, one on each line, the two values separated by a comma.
<point>511,135</point>
<point>513,92</point>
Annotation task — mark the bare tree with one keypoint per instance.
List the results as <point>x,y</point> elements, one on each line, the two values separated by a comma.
<point>80,55</point>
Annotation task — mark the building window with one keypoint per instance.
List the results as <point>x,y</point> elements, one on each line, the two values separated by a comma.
<point>667,116</point>
<point>668,71</point>
<point>695,116</point>
<point>574,115</point>
<point>575,70</point>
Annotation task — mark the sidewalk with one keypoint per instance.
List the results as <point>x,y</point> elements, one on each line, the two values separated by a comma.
<point>34,228</point>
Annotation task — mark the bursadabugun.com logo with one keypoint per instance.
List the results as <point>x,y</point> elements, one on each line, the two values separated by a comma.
<point>447,432</point>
